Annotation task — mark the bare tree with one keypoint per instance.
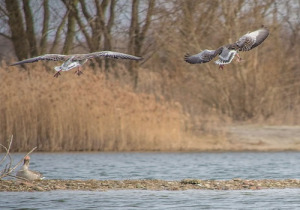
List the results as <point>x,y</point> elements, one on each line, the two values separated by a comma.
<point>18,34</point>
<point>106,27</point>
<point>22,31</point>
<point>137,33</point>
<point>96,27</point>
<point>70,4</point>
<point>43,42</point>
<point>30,32</point>
<point>58,34</point>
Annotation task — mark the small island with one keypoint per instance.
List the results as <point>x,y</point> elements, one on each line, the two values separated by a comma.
<point>186,184</point>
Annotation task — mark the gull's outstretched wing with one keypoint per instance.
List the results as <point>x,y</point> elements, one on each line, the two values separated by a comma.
<point>253,39</point>
<point>202,57</point>
<point>111,54</point>
<point>47,57</point>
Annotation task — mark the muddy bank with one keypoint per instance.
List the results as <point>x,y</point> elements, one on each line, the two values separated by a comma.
<point>248,137</point>
<point>104,185</point>
<point>263,138</point>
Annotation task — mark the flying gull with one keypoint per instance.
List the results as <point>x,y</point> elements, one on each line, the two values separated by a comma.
<point>76,60</point>
<point>226,53</point>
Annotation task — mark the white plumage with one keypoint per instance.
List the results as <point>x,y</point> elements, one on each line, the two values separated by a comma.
<point>226,58</point>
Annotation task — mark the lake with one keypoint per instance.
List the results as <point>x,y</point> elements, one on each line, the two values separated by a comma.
<point>165,166</point>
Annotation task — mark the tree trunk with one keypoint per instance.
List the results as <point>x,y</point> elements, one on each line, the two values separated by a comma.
<point>43,43</point>
<point>58,34</point>
<point>18,35</point>
<point>106,27</point>
<point>71,25</point>
<point>133,34</point>
<point>137,35</point>
<point>30,29</point>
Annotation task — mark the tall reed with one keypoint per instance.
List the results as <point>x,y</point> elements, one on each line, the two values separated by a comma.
<point>86,113</point>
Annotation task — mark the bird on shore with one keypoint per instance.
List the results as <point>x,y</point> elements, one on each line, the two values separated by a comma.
<point>226,53</point>
<point>24,172</point>
<point>76,60</point>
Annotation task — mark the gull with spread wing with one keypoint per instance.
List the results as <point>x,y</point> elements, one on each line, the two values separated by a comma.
<point>76,60</point>
<point>228,52</point>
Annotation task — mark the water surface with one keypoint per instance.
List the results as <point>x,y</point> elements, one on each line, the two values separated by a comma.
<point>165,166</point>
<point>137,199</point>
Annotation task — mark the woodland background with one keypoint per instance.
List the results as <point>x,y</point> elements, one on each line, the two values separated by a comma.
<point>161,103</point>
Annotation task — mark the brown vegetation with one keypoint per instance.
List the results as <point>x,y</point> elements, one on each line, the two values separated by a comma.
<point>83,113</point>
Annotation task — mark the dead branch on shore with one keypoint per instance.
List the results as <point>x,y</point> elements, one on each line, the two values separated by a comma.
<point>9,168</point>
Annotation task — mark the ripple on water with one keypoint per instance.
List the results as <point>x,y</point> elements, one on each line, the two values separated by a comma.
<point>167,166</point>
<point>130,199</point>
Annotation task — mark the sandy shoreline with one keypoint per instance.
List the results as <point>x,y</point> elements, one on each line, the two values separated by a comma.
<point>186,184</point>
<point>263,138</point>
<point>247,137</point>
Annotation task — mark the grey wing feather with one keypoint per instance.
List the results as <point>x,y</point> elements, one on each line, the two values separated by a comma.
<point>202,57</point>
<point>245,43</point>
<point>252,40</point>
<point>47,57</point>
<point>262,35</point>
<point>38,174</point>
<point>110,54</point>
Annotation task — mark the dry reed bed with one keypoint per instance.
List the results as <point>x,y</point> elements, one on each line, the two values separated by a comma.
<point>86,113</point>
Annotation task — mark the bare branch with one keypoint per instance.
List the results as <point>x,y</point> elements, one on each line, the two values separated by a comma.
<point>58,33</point>
<point>6,149</point>
<point>147,20</point>
<point>5,36</point>
<point>22,159</point>
<point>8,169</point>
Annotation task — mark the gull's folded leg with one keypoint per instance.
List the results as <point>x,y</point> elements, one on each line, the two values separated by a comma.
<point>57,74</point>
<point>239,58</point>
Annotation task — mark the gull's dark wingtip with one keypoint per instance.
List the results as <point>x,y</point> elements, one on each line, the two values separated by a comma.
<point>14,64</point>
<point>186,56</point>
